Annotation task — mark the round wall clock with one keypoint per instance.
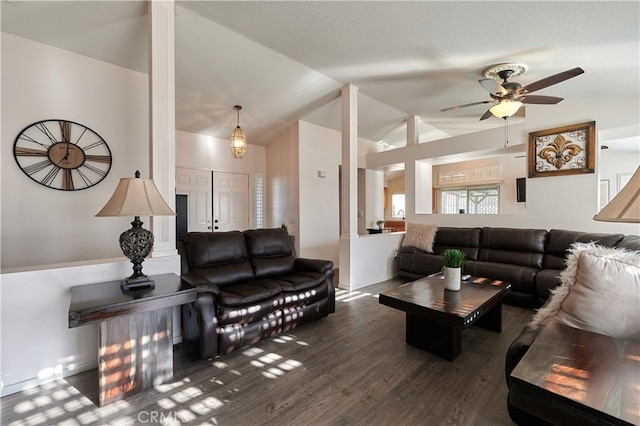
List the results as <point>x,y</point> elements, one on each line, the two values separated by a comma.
<point>62,155</point>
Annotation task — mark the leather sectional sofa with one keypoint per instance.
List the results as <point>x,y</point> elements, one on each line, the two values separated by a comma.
<point>250,286</point>
<point>530,259</point>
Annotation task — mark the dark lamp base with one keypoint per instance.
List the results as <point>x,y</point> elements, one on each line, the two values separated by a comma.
<point>134,284</point>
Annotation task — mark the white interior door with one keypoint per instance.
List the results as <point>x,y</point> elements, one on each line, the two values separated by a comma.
<point>230,201</point>
<point>196,185</point>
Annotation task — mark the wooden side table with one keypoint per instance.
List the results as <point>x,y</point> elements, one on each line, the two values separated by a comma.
<point>575,377</point>
<point>135,342</point>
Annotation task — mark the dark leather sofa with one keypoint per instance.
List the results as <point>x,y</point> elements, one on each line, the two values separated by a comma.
<point>530,259</point>
<point>250,286</point>
<point>523,342</point>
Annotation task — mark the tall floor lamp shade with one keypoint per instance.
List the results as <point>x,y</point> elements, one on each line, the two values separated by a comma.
<point>136,197</point>
<point>625,206</point>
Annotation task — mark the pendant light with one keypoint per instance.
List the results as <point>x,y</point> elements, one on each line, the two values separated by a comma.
<point>238,139</point>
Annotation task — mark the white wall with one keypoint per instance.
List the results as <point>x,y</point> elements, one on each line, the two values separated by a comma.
<point>282,186</point>
<point>371,259</point>
<point>614,163</point>
<point>44,226</point>
<point>319,150</point>
<point>566,202</point>
<point>37,344</point>
<point>309,205</point>
<point>50,239</point>
<point>202,152</point>
<point>375,198</point>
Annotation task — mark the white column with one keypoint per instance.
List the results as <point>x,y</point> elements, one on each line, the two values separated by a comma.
<point>413,138</point>
<point>349,185</point>
<point>349,160</point>
<point>162,128</point>
<point>413,130</point>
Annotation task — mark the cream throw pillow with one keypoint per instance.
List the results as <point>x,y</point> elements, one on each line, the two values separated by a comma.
<point>599,292</point>
<point>420,235</point>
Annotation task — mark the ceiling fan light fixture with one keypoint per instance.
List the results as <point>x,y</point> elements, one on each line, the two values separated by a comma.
<point>505,108</point>
<point>238,139</point>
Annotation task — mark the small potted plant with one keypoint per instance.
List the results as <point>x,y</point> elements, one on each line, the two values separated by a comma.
<point>452,268</point>
<point>380,224</point>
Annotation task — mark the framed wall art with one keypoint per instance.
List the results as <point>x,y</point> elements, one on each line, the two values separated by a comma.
<point>563,150</point>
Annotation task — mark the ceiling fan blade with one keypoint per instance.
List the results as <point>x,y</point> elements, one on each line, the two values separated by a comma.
<point>486,115</point>
<point>551,80</point>
<point>465,105</point>
<point>538,99</point>
<point>492,86</point>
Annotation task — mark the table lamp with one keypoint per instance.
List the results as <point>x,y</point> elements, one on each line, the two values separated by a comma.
<point>136,197</point>
<point>625,206</point>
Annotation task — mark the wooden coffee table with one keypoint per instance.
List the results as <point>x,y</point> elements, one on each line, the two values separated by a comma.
<point>575,377</point>
<point>436,317</point>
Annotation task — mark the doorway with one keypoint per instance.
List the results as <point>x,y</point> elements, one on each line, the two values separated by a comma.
<point>215,201</point>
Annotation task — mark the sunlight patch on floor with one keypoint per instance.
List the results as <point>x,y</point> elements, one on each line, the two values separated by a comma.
<point>350,296</point>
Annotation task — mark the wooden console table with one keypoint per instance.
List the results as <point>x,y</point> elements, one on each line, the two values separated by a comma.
<point>135,341</point>
<point>575,377</point>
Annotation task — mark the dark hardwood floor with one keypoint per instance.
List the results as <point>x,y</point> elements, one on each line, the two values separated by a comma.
<point>351,368</point>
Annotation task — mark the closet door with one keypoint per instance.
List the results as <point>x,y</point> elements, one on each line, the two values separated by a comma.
<point>230,201</point>
<point>196,185</point>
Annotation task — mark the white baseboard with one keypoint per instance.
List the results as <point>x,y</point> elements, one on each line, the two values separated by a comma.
<point>38,381</point>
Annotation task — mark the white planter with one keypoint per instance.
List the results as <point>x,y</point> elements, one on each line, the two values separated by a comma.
<point>452,278</point>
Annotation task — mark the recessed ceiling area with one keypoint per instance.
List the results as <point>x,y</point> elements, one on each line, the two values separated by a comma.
<point>285,61</point>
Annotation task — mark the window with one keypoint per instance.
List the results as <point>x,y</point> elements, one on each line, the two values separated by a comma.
<point>473,200</point>
<point>397,205</point>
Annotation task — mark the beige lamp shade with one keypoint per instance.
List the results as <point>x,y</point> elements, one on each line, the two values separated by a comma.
<point>625,207</point>
<point>136,197</point>
<point>505,108</point>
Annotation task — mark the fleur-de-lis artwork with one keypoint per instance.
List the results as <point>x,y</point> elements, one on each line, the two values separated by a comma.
<point>562,150</point>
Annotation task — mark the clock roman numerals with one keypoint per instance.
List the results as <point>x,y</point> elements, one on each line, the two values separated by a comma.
<point>67,180</point>
<point>50,176</point>
<point>44,129</point>
<point>28,138</point>
<point>31,152</point>
<point>62,155</point>
<point>85,178</point>
<point>36,167</point>
<point>98,158</point>
<point>65,131</point>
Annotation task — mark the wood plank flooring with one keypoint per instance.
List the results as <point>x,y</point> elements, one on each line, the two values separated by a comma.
<point>351,368</point>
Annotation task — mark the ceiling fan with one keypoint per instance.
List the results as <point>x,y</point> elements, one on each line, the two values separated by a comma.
<point>507,97</point>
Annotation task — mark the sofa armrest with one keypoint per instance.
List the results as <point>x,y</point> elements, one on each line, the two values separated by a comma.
<point>201,284</point>
<point>205,306</point>
<point>518,348</point>
<point>312,265</point>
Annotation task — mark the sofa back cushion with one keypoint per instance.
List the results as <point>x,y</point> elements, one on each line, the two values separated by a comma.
<point>523,247</point>
<point>465,239</point>
<point>219,257</point>
<point>270,251</point>
<point>630,242</point>
<point>560,240</point>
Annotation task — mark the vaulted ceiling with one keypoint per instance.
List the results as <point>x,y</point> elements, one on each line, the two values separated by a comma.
<point>284,61</point>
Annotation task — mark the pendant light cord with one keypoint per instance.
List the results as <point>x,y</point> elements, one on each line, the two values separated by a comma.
<point>506,131</point>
